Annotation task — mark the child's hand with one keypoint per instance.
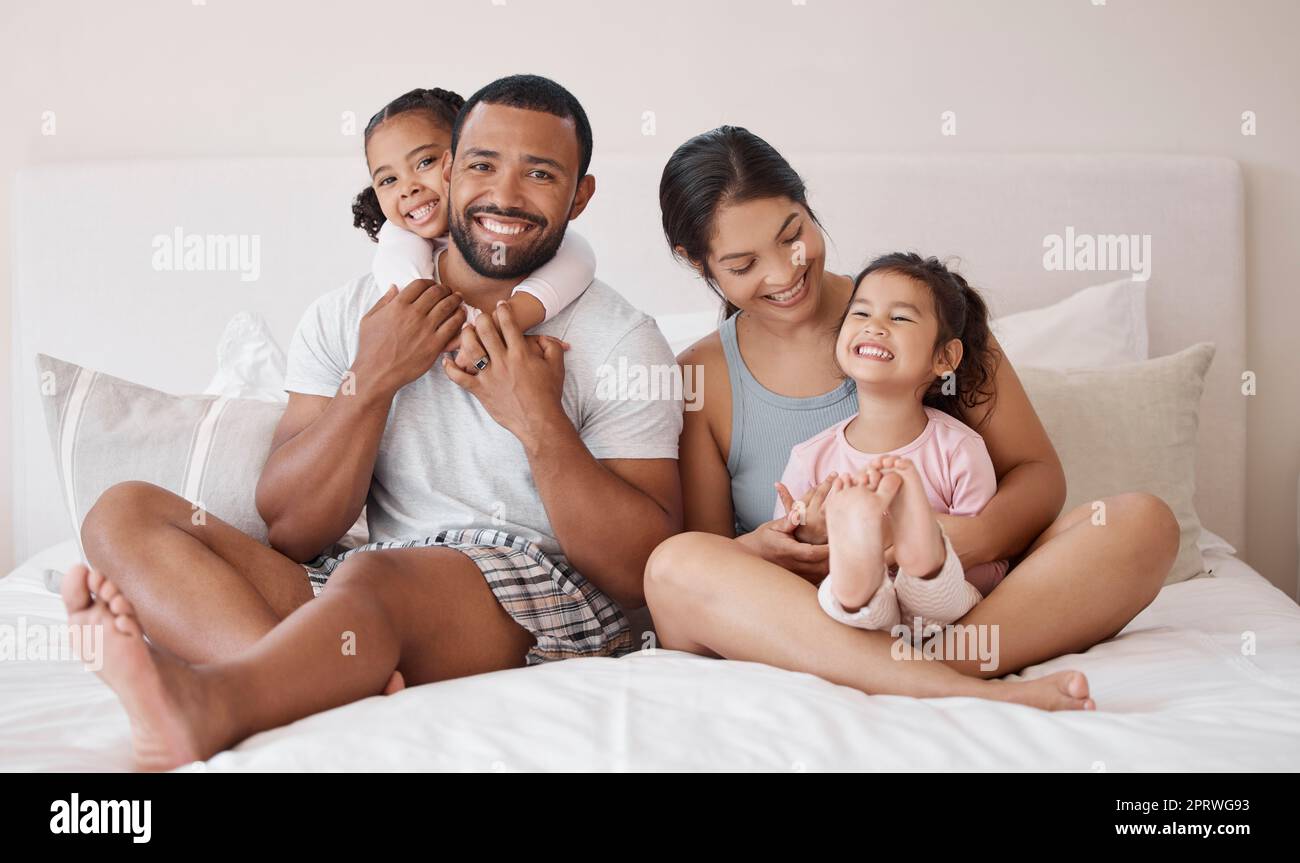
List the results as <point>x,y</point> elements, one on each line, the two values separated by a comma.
<point>454,344</point>
<point>527,309</point>
<point>528,312</point>
<point>465,357</point>
<point>808,513</point>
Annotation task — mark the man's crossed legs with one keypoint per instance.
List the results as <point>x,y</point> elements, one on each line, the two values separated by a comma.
<point>236,646</point>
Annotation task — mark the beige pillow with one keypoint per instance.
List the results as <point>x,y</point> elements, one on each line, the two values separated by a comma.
<point>104,430</point>
<point>1129,428</point>
<point>208,449</point>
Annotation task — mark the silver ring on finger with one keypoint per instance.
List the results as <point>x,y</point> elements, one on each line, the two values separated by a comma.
<point>481,363</point>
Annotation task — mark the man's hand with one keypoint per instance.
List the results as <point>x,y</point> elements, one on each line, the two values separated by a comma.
<point>521,385</point>
<point>403,334</point>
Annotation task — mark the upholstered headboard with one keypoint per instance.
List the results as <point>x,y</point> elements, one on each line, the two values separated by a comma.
<point>93,284</point>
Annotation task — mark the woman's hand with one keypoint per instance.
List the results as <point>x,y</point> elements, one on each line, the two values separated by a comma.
<point>807,514</point>
<point>774,541</point>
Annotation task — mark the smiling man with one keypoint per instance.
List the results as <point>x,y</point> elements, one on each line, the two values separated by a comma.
<point>511,512</point>
<point>502,238</point>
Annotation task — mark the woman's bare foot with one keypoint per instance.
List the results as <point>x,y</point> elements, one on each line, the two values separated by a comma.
<point>855,508</point>
<point>174,720</point>
<point>918,545</point>
<point>1064,690</point>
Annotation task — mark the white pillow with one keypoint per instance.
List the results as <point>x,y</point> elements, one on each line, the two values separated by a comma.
<point>1105,325</point>
<point>1210,541</point>
<point>250,363</point>
<point>684,329</point>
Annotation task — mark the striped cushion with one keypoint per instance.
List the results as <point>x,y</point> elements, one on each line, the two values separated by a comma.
<point>207,449</point>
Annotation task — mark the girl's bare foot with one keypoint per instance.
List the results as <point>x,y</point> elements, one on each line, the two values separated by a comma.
<point>855,508</point>
<point>918,545</point>
<point>1064,690</point>
<point>174,720</point>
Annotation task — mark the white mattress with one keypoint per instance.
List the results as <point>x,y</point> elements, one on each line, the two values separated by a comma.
<point>1175,692</point>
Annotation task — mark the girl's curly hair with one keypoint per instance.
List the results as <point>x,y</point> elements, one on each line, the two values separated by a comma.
<point>443,104</point>
<point>962,314</point>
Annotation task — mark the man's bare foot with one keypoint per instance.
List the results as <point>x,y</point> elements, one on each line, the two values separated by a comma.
<point>1064,690</point>
<point>173,720</point>
<point>855,508</point>
<point>918,545</point>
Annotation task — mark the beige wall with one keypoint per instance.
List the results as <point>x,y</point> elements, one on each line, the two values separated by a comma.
<point>237,77</point>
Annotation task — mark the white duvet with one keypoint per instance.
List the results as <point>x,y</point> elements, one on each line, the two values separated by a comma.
<point>1207,678</point>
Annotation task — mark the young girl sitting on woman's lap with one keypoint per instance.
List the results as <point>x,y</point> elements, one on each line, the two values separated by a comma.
<point>915,338</point>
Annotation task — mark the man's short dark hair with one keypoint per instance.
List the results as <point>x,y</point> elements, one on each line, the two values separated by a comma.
<point>532,93</point>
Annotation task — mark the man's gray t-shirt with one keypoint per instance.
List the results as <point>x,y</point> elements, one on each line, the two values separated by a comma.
<point>444,463</point>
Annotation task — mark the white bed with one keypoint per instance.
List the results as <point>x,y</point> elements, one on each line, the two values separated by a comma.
<point>1176,689</point>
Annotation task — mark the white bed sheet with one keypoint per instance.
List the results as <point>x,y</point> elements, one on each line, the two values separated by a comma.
<point>1175,692</point>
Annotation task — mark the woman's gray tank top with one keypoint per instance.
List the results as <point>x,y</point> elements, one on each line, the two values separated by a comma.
<point>765,426</point>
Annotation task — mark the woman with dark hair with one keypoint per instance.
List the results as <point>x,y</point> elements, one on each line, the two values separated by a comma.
<point>739,584</point>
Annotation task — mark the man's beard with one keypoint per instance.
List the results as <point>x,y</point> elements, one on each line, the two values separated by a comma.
<point>507,263</point>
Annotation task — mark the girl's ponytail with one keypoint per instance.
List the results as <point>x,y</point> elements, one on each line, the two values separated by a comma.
<point>979,363</point>
<point>367,214</point>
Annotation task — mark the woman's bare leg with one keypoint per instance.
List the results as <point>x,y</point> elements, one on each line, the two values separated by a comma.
<point>202,591</point>
<point>427,611</point>
<point>708,595</point>
<point>1079,583</point>
<point>711,597</point>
